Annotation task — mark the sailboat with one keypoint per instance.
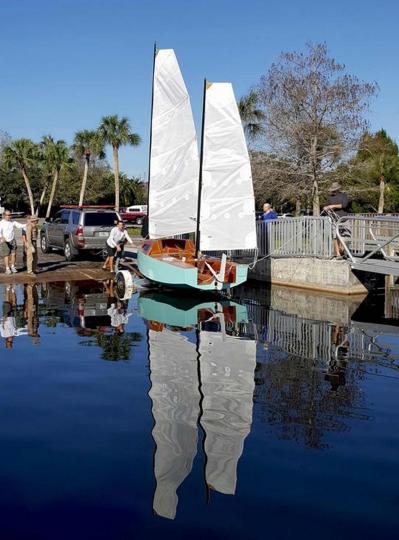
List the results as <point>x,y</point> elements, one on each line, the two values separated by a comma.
<point>210,195</point>
<point>201,375</point>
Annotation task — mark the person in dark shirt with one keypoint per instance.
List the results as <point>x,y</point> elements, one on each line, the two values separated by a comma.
<point>338,202</point>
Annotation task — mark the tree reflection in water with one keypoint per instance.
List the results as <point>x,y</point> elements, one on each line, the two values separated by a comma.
<point>303,400</point>
<point>95,312</point>
<point>115,346</point>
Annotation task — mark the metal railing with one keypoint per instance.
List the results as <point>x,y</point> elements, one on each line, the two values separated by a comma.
<point>290,237</point>
<point>375,215</point>
<point>319,340</point>
<point>296,237</point>
<point>366,237</point>
<point>311,236</point>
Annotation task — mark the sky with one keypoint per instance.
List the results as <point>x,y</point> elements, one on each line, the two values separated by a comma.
<point>66,63</point>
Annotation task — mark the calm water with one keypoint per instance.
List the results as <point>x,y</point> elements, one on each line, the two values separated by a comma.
<point>274,415</point>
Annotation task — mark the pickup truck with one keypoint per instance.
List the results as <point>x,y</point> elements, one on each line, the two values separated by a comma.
<point>134,214</point>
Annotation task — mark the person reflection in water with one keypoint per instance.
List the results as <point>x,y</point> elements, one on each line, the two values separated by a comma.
<point>119,317</point>
<point>337,366</point>
<point>8,327</point>
<point>31,315</point>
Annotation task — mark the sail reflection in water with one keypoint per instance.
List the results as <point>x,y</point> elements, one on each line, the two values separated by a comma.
<point>227,366</point>
<point>175,407</point>
<point>199,375</point>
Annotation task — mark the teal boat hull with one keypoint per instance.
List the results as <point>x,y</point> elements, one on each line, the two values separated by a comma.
<point>170,275</point>
<point>180,311</point>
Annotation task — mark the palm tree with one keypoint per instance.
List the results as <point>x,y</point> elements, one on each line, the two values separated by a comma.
<point>116,132</point>
<point>47,170</point>
<point>22,154</point>
<point>251,115</point>
<point>86,144</point>
<point>56,156</point>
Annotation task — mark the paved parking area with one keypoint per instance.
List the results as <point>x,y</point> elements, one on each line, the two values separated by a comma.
<point>53,267</point>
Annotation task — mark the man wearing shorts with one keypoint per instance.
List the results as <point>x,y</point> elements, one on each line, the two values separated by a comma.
<point>338,202</point>
<point>116,240</point>
<point>7,237</point>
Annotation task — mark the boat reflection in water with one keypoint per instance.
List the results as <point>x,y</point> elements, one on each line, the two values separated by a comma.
<point>201,375</point>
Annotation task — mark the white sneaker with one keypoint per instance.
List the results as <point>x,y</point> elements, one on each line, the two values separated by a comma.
<point>8,271</point>
<point>14,270</point>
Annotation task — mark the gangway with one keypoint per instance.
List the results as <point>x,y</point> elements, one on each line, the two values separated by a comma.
<point>371,243</point>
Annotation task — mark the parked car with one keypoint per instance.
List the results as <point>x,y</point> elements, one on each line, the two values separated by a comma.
<point>81,304</point>
<point>134,214</point>
<point>76,230</point>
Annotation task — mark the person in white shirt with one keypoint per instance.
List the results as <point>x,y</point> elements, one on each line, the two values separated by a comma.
<point>116,240</point>
<point>7,237</point>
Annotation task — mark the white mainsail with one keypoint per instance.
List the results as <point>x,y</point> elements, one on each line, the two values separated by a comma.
<point>227,217</point>
<point>174,162</point>
<point>175,408</point>
<point>227,366</point>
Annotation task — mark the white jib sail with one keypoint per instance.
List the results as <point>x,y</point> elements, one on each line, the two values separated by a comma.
<point>227,219</point>
<point>173,192</point>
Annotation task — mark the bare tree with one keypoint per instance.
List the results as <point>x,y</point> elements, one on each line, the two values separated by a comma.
<point>275,181</point>
<point>313,114</point>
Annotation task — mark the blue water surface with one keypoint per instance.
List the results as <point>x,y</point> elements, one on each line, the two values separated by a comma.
<point>95,415</point>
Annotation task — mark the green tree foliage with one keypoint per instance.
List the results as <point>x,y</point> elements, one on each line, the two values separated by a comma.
<point>252,115</point>
<point>87,144</point>
<point>132,191</point>
<point>116,132</point>
<point>377,162</point>
<point>371,177</point>
<point>55,155</point>
<point>22,155</point>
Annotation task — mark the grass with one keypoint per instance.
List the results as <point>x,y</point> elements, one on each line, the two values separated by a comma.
<point>134,231</point>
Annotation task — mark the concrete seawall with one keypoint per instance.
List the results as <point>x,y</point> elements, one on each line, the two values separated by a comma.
<point>331,276</point>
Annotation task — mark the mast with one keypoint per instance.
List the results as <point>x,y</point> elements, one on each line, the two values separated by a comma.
<point>197,236</point>
<point>150,147</point>
<point>201,409</point>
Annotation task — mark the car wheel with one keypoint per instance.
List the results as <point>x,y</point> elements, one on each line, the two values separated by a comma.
<point>68,252</point>
<point>139,221</point>
<point>104,254</point>
<point>44,244</point>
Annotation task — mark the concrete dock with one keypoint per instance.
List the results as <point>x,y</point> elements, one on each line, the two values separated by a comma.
<point>329,276</point>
